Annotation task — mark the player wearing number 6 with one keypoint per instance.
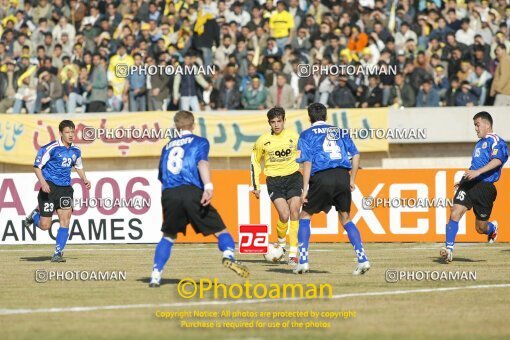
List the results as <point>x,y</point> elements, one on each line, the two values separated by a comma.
<point>53,165</point>
<point>325,154</point>
<point>284,181</point>
<point>476,189</point>
<point>186,197</point>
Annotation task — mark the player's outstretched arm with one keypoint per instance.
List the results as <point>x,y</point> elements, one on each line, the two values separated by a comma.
<point>205,176</point>
<point>354,170</point>
<point>493,164</point>
<point>83,177</point>
<point>44,185</point>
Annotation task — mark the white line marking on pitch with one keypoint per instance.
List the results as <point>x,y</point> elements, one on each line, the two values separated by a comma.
<point>236,302</point>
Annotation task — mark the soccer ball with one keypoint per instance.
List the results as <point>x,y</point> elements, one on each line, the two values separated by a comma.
<point>274,253</point>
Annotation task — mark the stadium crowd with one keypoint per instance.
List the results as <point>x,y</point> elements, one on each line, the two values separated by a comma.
<point>60,56</point>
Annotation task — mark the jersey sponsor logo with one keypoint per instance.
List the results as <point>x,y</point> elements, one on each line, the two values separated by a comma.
<point>253,238</point>
<point>283,153</point>
<point>494,152</point>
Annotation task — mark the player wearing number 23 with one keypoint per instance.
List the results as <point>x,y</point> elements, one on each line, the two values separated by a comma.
<point>52,166</point>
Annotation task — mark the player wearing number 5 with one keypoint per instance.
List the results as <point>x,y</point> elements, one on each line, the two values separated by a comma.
<point>186,197</point>
<point>476,189</point>
<point>284,181</point>
<point>53,165</point>
<point>325,154</point>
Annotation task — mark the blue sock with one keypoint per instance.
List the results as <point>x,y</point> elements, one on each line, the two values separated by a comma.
<point>303,240</point>
<point>355,239</point>
<point>226,245</point>
<point>491,228</point>
<point>61,240</point>
<point>451,231</point>
<point>162,254</point>
<point>36,218</point>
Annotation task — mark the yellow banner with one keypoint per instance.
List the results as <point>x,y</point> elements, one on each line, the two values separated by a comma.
<point>230,135</point>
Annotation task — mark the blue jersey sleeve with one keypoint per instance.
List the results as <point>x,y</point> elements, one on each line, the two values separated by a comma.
<point>38,157</point>
<point>350,146</point>
<point>499,151</point>
<point>44,155</point>
<point>203,151</point>
<point>303,150</point>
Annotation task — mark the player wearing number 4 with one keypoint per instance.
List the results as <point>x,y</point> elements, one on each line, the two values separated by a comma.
<point>325,154</point>
<point>186,198</point>
<point>476,189</point>
<point>284,181</point>
<point>53,165</point>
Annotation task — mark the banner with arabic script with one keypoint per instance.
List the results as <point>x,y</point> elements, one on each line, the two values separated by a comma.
<point>230,134</point>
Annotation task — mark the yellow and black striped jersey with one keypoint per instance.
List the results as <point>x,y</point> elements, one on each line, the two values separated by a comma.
<point>280,153</point>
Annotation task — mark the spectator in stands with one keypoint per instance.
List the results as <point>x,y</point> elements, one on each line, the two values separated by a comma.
<point>342,95</point>
<point>137,87</point>
<point>427,95</point>
<point>26,94</point>
<point>254,95</point>
<point>113,103</point>
<point>98,87</point>
<point>185,91</point>
<point>281,94</point>
<point>401,93</point>
<point>373,94</point>
<point>8,86</point>
<point>229,96</point>
<point>441,83</point>
<point>501,83</point>
<point>480,79</point>
<point>159,92</point>
<point>281,24</point>
<point>468,95</point>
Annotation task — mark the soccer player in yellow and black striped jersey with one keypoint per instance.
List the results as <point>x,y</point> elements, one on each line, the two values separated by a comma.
<point>284,181</point>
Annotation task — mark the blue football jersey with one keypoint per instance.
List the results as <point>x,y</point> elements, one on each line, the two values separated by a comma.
<point>488,148</point>
<point>178,164</point>
<point>56,161</point>
<point>326,146</point>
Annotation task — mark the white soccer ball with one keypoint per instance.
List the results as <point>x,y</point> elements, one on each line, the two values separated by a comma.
<point>274,253</point>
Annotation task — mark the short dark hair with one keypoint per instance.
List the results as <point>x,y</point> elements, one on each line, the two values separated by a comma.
<point>317,112</point>
<point>484,115</point>
<point>65,123</point>
<point>276,112</point>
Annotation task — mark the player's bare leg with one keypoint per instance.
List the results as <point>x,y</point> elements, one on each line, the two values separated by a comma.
<point>355,239</point>
<point>303,243</point>
<point>452,228</point>
<point>64,217</point>
<point>161,256</point>
<point>488,228</point>
<point>227,246</point>
<point>295,207</point>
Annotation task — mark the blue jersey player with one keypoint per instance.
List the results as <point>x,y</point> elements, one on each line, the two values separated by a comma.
<point>325,154</point>
<point>186,197</point>
<point>53,165</point>
<point>476,189</point>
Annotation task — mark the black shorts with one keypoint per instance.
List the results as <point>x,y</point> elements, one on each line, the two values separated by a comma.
<point>58,198</point>
<point>285,187</point>
<point>478,195</point>
<point>329,188</point>
<point>181,206</point>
